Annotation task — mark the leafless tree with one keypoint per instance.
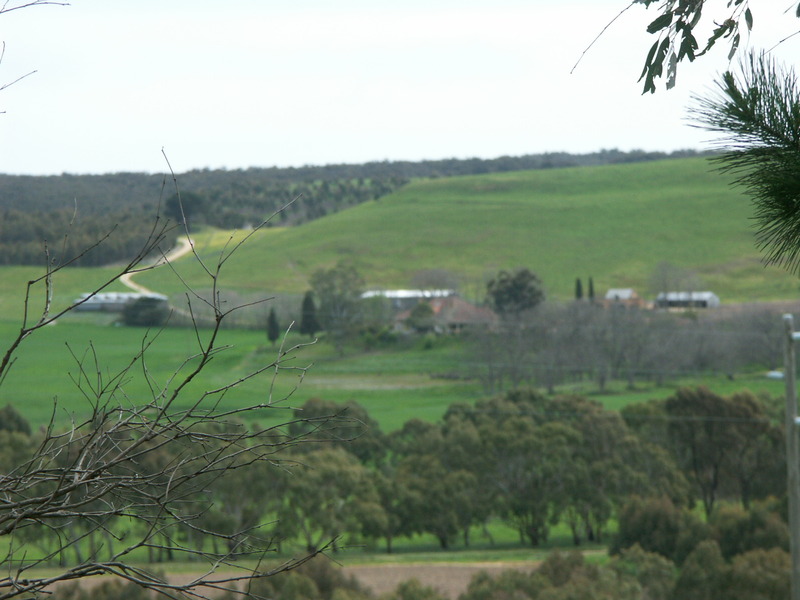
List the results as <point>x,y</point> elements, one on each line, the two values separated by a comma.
<point>130,477</point>
<point>133,472</point>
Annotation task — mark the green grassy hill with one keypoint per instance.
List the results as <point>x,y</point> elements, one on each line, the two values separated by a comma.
<point>613,223</point>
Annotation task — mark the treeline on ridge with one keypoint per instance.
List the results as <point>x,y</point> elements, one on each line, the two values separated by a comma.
<point>70,211</point>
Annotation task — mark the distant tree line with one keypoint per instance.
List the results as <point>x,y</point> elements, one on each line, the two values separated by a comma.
<point>37,208</point>
<point>61,235</point>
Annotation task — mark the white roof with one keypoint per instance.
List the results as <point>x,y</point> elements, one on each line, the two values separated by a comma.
<point>687,296</point>
<point>408,293</point>
<point>620,294</point>
<point>116,297</point>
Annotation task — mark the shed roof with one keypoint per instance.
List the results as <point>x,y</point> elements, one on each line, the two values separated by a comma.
<point>621,294</point>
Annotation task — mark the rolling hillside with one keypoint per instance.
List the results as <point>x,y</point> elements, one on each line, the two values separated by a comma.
<point>614,223</point>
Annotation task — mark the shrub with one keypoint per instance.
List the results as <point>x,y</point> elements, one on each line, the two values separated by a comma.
<point>414,590</point>
<point>146,312</point>
<point>760,575</point>
<point>508,584</point>
<point>655,574</point>
<point>738,531</point>
<point>657,525</point>
<point>703,574</point>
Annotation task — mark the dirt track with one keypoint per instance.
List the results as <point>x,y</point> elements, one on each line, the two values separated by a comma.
<point>451,579</point>
<point>183,248</point>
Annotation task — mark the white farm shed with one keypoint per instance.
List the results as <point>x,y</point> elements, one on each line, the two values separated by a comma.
<point>111,301</point>
<point>687,300</point>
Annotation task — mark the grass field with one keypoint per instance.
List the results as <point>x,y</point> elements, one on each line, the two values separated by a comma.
<point>394,385</point>
<point>614,223</point>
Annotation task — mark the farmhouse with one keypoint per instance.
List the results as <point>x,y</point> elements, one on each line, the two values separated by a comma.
<point>687,300</point>
<point>452,314</point>
<point>111,301</point>
<point>623,297</point>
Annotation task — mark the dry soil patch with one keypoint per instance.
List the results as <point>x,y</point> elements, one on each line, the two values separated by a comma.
<point>451,579</point>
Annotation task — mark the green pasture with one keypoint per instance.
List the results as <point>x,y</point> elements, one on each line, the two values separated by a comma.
<point>64,286</point>
<point>394,385</point>
<point>69,361</point>
<point>614,223</point>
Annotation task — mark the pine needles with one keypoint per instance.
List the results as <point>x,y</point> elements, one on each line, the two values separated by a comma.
<point>757,114</point>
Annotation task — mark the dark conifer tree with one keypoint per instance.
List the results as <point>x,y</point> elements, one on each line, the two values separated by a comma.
<point>273,329</point>
<point>578,289</point>
<point>591,290</point>
<point>308,315</point>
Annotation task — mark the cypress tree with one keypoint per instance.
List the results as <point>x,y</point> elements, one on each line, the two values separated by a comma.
<point>308,315</point>
<point>578,289</point>
<point>591,290</point>
<point>273,329</point>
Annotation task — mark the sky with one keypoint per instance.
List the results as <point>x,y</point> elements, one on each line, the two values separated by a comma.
<point>127,85</point>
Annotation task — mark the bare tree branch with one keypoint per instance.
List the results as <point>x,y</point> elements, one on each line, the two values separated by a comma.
<point>135,471</point>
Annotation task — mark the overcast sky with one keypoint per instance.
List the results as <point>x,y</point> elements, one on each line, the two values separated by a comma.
<point>256,83</point>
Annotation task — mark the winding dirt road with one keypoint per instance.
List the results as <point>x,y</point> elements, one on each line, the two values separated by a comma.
<point>184,247</point>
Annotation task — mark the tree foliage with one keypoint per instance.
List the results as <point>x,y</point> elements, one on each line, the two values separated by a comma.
<point>309,325</point>
<point>146,311</point>
<point>512,293</point>
<point>421,318</point>
<point>273,328</point>
<point>184,208</point>
<point>334,495</point>
<point>718,441</point>
<point>338,291</point>
<point>576,342</point>
<point>757,114</point>
<point>677,26</point>
<point>657,525</point>
<point>578,289</point>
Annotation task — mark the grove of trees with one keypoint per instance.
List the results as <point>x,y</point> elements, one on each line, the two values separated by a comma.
<point>529,460</point>
<point>580,341</point>
<point>524,458</point>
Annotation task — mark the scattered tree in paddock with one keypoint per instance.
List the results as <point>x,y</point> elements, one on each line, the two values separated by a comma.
<point>338,291</point>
